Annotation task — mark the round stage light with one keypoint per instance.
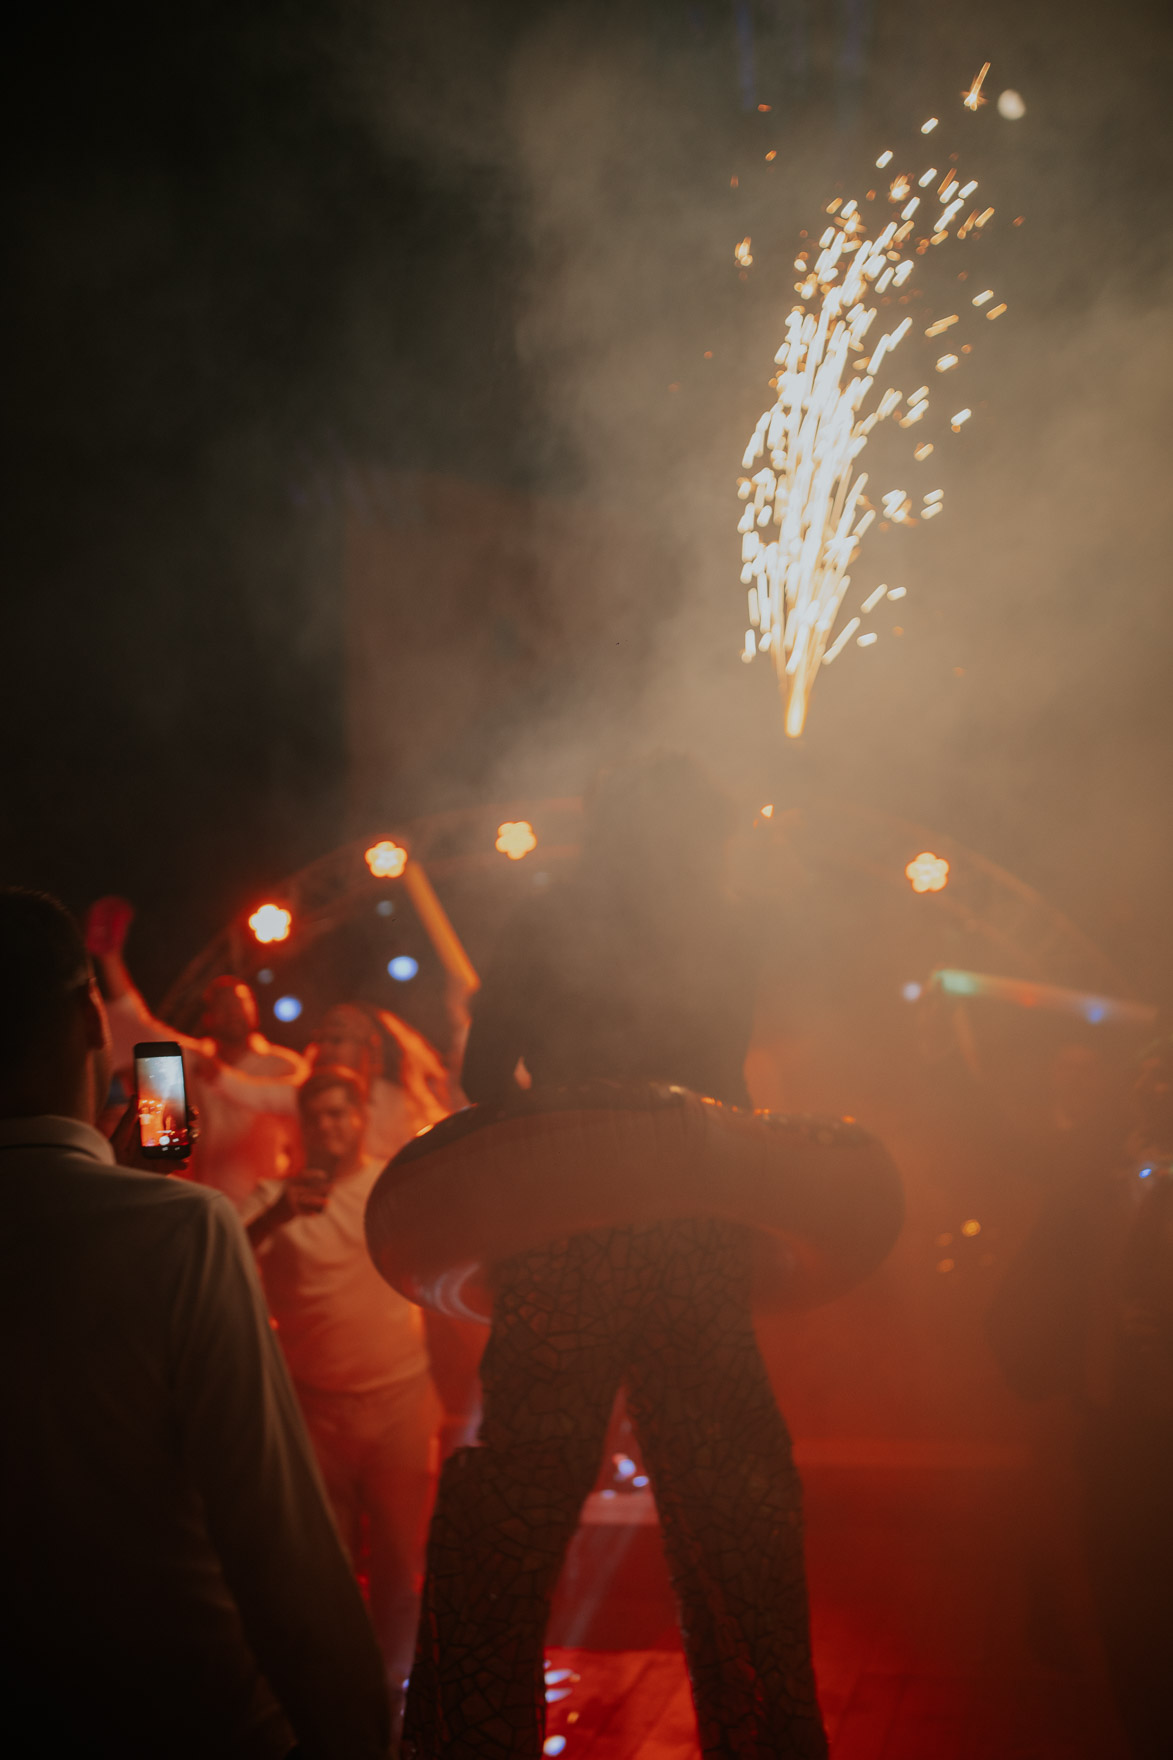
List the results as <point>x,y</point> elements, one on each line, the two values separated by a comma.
<point>402,968</point>
<point>384,908</point>
<point>265,975</point>
<point>516,838</point>
<point>927,872</point>
<point>386,860</point>
<point>910,992</point>
<point>271,922</point>
<point>287,1008</point>
<point>1011,106</point>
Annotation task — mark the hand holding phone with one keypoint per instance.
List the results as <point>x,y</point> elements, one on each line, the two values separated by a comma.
<point>307,1193</point>
<point>161,1101</point>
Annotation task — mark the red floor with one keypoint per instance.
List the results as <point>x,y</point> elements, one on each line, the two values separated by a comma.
<point>938,1635</point>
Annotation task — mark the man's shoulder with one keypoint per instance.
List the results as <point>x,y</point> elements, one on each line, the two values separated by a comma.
<point>117,1188</point>
<point>277,1062</point>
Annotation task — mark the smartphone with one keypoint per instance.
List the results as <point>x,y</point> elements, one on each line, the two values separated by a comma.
<point>162,1100</point>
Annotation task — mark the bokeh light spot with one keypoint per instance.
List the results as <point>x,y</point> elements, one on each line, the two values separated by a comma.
<point>516,838</point>
<point>386,860</point>
<point>271,922</point>
<point>927,872</point>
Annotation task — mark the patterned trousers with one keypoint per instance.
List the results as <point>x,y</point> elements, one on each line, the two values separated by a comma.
<point>664,1309</point>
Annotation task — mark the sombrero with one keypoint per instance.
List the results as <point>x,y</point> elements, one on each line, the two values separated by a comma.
<point>490,1182</point>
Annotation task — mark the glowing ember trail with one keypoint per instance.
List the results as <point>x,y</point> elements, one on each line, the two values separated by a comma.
<point>805,512</point>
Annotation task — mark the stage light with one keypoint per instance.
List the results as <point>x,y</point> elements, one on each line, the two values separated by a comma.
<point>640,1481</point>
<point>1145,1172</point>
<point>402,968</point>
<point>910,992</point>
<point>553,1744</point>
<point>287,1008</point>
<point>1011,106</point>
<point>265,975</point>
<point>971,1227</point>
<point>271,922</point>
<point>386,860</point>
<point>516,838</point>
<point>385,908</point>
<point>927,872</point>
<point>1050,996</point>
<point>768,812</point>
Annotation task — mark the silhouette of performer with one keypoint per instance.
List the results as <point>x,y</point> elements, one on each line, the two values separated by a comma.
<point>636,970</point>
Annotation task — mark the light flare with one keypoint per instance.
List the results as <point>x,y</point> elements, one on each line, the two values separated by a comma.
<point>271,922</point>
<point>516,838</point>
<point>927,872</point>
<point>973,98</point>
<point>385,859</point>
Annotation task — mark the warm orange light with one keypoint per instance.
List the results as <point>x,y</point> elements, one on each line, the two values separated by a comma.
<point>386,860</point>
<point>973,97</point>
<point>972,1227</point>
<point>928,873</point>
<point>516,838</point>
<point>271,922</point>
<point>768,812</point>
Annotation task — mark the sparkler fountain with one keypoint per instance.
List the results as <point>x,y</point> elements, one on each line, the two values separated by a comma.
<point>803,453</point>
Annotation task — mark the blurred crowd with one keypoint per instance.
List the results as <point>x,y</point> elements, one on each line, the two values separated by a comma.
<point>295,1143</point>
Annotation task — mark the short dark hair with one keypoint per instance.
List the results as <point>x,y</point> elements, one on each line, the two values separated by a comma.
<point>42,959</point>
<point>333,1075</point>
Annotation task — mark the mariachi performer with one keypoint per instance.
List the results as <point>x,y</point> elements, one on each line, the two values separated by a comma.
<point>637,971</point>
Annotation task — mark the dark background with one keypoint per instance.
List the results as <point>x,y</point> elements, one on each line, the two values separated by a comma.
<point>253,250</point>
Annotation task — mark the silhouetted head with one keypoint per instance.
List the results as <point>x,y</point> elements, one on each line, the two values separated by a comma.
<point>349,1038</point>
<point>230,1010</point>
<point>53,1038</point>
<point>660,820</point>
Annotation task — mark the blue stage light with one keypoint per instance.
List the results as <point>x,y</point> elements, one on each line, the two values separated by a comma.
<point>553,1744</point>
<point>402,967</point>
<point>910,992</point>
<point>1096,1012</point>
<point>385,908</point>
<point>1145,1172</point>
<point>265,976</point>
<point>287,1008</point>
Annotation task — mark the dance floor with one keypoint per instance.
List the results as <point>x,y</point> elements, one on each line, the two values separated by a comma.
<point>938,1635</point>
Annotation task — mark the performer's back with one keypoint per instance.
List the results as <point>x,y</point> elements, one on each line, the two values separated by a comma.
<point>634,971</point>
<point>593,982</point>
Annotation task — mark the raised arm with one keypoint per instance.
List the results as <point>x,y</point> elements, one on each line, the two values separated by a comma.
<point>243,1437</point>
<point>108,921</point>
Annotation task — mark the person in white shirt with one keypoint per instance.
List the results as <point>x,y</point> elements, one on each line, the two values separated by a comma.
<point>408,1084</point>
<point>174,1586</point>
<point>244,1086</point>
<point>357,1353</point>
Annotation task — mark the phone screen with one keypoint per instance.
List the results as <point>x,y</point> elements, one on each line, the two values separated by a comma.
<point>162,1100</point>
